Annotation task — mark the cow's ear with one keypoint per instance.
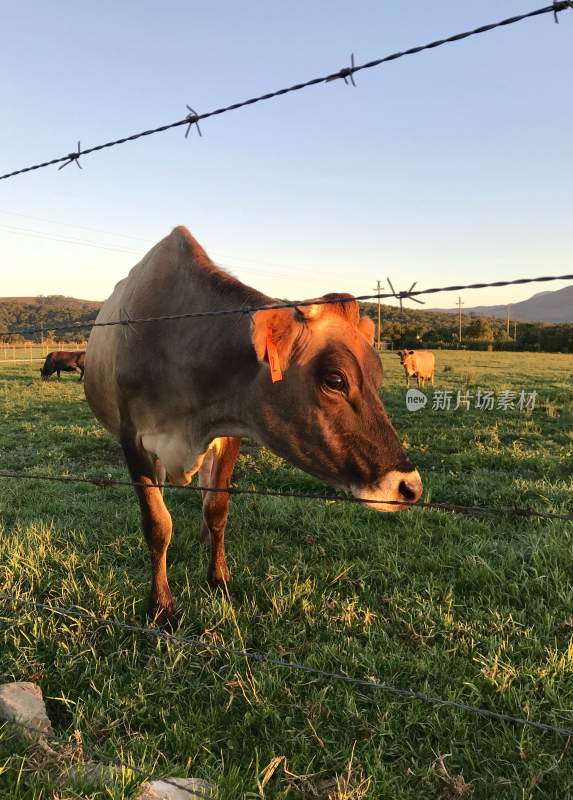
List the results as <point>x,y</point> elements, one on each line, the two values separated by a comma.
<point>367,328</point>
<point>279,322</point>
<point>310,312</point>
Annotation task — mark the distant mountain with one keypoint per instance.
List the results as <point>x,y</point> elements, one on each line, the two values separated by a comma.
<point>553,307</point>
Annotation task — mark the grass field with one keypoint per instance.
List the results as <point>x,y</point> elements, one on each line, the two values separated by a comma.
<point>476,610</point>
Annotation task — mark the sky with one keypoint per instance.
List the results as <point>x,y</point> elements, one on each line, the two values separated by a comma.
<point>451,166</point>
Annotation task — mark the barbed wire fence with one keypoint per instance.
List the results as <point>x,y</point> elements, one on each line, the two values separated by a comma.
<point>402,295</point>
<point>106,482</point>
<point>192,119</point>
<point>245,310</point>
<point>271,660</point>
<point>346,73</point>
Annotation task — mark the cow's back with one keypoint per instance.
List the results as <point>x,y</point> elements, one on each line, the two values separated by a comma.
<point>122,356</point>
<point>156,371</point>
<point>425,364</point>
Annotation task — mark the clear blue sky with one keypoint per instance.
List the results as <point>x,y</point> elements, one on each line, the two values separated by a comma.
<point>452,165</point>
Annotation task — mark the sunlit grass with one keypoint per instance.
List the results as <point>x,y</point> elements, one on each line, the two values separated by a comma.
<point>477,610</point>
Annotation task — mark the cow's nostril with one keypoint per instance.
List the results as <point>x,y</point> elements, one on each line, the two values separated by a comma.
<point>411,490</point>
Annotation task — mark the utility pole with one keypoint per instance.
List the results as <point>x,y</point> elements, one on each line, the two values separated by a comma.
<point>377,290</point>
<point>515,330</point>
<point>508,334</point>
<point>460,304</point>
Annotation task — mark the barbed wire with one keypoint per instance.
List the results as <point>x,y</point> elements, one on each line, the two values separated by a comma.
<point>266,658</point>
<point>242,310</point>
<point>192,118</point>
<point>107,482</point>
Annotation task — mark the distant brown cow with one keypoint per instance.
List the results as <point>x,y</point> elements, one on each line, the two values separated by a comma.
<point>419,364</point>
<point>63,361</point>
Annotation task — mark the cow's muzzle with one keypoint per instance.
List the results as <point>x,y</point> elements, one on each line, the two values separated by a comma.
<point>397,490</point>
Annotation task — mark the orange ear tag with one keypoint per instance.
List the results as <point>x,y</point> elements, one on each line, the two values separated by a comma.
<point>273,357</point>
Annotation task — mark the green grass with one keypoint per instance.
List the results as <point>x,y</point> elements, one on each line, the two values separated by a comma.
<point>476,610</point>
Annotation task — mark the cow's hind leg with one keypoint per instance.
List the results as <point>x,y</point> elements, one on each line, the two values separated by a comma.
<point>156,525</point>
<point>216,472</point>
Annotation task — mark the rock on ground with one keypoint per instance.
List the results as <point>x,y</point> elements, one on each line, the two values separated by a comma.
<point>185,789</point>
<point>23,702</point>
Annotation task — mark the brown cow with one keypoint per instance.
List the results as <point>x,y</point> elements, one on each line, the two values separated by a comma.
<point>63,361</point>
<point>179,395</point>
<point>419,364</point>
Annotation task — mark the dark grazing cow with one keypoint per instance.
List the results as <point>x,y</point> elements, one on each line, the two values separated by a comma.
<point>179,395</point>
<point>63,361</point>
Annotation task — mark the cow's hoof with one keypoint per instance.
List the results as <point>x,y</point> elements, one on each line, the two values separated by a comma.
<point>221,587</point>
<point>163,618</point>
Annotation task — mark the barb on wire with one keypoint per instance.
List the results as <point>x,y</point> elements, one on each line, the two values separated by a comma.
<point>107,481</point>
<point>193,119</point>
<point>404,295</point>
<point>73,157</point>
<point>561,7</point>
<point>243,309</point>
<point>267,658</point>
<point>347,72</point>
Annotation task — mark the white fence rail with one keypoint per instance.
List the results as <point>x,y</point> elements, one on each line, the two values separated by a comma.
<point>28,352</point>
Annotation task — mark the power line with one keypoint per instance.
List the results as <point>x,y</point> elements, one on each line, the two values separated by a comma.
<point>73,225</point>
<point>226,312</point>
<point>55,237</point>
<point>343,74</point>
<point>266,658</point>
<point>270,267</point>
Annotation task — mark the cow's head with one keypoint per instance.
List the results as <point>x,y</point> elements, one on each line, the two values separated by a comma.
<point>48,369</point>
<point>325,415</point>
<point>406,358</point>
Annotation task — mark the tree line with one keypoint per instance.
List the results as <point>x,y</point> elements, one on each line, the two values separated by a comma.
<point>412,327</point>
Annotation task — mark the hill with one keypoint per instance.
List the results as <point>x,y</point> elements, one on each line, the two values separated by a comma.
<point>51,299</point>
<point>553,307</point>
<point>48,311</point>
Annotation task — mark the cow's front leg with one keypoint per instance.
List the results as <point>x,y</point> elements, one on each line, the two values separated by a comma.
<point>81,371</point>
<point>156,526</point>
<point>217,472</point>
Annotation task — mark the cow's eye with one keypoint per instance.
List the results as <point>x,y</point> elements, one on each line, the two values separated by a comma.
<point>334,381</point>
